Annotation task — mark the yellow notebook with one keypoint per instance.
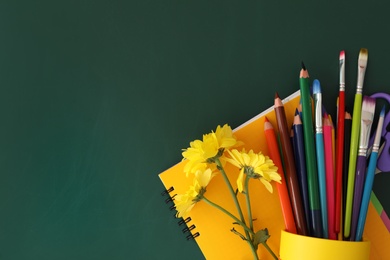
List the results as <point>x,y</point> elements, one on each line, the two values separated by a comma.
<point>211,228</point>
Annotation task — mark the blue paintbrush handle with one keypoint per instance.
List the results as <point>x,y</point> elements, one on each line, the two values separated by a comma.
<point>322,182</point>
<point>358,192</point>
<point>366,196</point>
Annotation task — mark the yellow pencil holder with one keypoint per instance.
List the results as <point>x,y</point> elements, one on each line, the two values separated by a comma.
<point>293,247</point>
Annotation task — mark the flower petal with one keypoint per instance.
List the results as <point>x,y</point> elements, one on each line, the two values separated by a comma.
<point>240,180</point>
<point>267,184</point>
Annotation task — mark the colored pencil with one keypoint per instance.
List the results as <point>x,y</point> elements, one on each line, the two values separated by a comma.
<point>369,178</point>
<point>311,165</point>
<point>273,149</point>
<point>367,117</point>
<point>333,146</point>
<point>340,142</point>
<point>299,152</point>
<point>293,146</point>
<point>320,155</point>
<point>330,182</point>
<point>357,106</point>
<point>347,142</point>
<point>290,170</point>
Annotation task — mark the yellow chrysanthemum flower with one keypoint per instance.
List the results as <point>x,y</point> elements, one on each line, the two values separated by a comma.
<point>225,137</point>
<point>256,166</point>
<point>185,202</point>
<point>202,152</point>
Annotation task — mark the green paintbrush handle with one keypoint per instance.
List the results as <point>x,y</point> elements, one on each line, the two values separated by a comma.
<point>357,110</point>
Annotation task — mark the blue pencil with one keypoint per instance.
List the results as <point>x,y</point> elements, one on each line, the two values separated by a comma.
<point>369,178</point>
<point>320,155</point>
<point>299,151</point>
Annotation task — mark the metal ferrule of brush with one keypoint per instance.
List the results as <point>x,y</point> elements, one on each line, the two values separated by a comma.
<point>318,112</point>
<point>375,148</point>
<point>359,88</point>
<point>364,136</point>
<point>342,76</point>
<point>362,151</point>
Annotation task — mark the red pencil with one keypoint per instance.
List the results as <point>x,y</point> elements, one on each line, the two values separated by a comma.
<point>284,198</point>
<point>340,143</point>
<point>330,193</point>
<point>289,162</point>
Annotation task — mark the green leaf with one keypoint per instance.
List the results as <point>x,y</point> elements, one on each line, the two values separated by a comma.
<point>261,237</point>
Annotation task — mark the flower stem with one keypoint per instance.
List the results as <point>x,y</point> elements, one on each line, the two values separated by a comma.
<point>227,213</point>
<point>269,250</point>
<point>247,230</point>
<point>248,202</point>
<point>222,170</point>
<point>229,185</point>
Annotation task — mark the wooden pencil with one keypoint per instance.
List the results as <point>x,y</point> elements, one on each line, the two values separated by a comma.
<point>330,184</point>
<point>284,198</point>
<point>311,164</point>
<point>290,170</point>
<point>347,142</point>
<point>299,152</point>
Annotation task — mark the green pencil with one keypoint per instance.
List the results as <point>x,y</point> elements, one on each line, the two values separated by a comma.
<point>310,154</point>
<point>357,110</point>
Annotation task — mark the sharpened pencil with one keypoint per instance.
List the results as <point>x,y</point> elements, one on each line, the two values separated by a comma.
<point>330,183</point>
<point>347,142</point>
<point>299,152</point>
<point>311,165</point>
<point>290,170</point>
<point>273,148</point>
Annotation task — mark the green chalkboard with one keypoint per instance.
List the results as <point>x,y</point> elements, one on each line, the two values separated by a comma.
<point>98,97</point>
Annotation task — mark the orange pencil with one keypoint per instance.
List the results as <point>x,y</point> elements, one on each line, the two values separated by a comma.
<point>274,154</point>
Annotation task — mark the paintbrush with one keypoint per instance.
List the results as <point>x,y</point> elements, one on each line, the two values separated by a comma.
<point>369,178</point>
<point>340,141</point>
<point>362,64</point>
<point>367,117</point>
<point>320,154</point>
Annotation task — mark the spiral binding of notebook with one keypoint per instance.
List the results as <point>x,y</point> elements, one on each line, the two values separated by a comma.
<point>188,226</point>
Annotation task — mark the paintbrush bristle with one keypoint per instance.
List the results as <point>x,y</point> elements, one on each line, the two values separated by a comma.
<point>368,108</point>
<point>342,71</point>
<point>382,111</point>
<point>316,86</point>
<point>375,146</point>
<point>362,65</point>
<point>342,55</point>
<point>367,117</point>
<point>363,58</point>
